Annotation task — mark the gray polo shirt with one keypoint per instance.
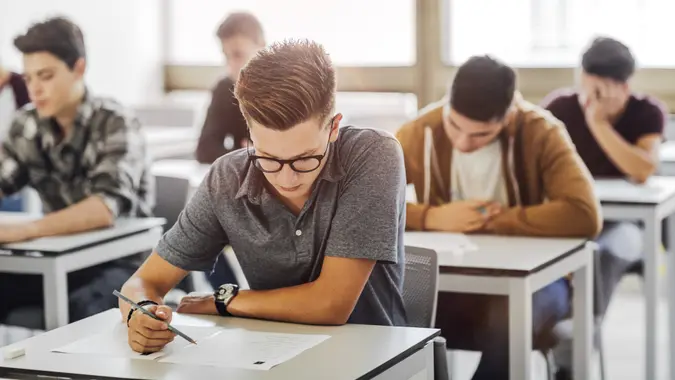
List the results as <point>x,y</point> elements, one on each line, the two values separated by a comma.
<point>356,210</point>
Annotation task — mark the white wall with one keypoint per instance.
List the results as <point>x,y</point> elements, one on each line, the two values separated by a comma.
<point>124,41</point>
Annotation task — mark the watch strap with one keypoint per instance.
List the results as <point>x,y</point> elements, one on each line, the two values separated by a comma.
<point>141,304</point>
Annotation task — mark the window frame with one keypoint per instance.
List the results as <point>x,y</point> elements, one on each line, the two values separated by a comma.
<point>429,76</point>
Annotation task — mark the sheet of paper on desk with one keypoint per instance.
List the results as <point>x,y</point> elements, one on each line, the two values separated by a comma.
<point>238,348</point>
<point>440,242</point>
<point>112,342</point>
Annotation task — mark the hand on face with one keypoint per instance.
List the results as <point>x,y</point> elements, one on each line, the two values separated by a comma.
<point>462,216</point>
<point>603,100</point>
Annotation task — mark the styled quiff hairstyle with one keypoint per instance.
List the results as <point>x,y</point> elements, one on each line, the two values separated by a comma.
<point>287,83</point>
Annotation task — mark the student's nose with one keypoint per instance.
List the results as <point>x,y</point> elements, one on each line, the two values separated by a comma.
<point>463,143</point>
<point>287,176</point>
<point>34,90</point>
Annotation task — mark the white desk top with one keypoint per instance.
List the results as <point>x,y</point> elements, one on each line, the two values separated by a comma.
<point>517,255</point>
<point>656,190</point>
<point>351,352</point>
<point>667,151</point>
<point>190,169</point>
<point>67,243</point>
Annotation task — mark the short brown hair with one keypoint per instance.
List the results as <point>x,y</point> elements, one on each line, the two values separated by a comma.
<point>286,84</point>
<point>58,36</point>
<point>241,24</point>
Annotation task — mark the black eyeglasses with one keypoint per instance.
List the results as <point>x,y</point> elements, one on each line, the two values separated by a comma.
<point>301,164</point>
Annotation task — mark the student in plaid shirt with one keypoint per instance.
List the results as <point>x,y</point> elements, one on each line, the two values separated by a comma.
<point>84,155</point>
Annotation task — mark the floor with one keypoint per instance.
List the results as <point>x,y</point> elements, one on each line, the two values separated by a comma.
<point>623,337</point>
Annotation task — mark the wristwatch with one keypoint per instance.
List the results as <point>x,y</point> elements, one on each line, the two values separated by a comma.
<point>223,296</point>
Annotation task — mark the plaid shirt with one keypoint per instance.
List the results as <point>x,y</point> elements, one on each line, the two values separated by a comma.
<point>104,155</point>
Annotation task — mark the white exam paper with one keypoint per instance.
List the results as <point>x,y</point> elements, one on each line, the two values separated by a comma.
<point>441,242</point>
<point>113,342</point>
<point>216,346</point>
<point>239,348</point>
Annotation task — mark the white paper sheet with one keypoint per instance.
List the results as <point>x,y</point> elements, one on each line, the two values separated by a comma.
<point>112,342</point>
<point>216,346</point>
<point>441,242</point>
<point>238,348</point>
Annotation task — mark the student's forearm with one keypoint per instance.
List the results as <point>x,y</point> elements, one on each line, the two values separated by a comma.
<point>138,290</point>
<point>304,303</point>
<point>633,161</point>
<point>557,218</point>
<point>89,214</point>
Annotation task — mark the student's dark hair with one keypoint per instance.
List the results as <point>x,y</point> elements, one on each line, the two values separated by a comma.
<point>58,36</point>
<point>241,24</point>
<point>608,58</point>
<point>483,89</point>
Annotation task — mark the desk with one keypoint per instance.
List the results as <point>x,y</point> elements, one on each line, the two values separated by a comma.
<point>667,158</point>
<point>352,352</point>
<point>517,267</point>
<point>650,204</point>
<point>55,257</point>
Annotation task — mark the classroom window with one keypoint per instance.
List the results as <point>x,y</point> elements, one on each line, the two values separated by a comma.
<point>553,33</point>
<point>355,32</point>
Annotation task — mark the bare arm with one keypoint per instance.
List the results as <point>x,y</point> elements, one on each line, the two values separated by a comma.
<point>86,215</point>
<point>151,282</point>
<point>638,161</point>
<point>329,300</point>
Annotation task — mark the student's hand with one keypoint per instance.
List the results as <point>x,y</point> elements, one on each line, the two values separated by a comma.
<point>198,303</point>
<point>461,216</point>
<point>601,102</point>
<point>147,335</point>
<point>13,233</point>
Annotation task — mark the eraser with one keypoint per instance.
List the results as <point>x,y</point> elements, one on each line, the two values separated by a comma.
<point>13,352</point>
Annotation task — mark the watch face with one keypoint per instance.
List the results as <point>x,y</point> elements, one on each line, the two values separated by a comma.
<point>224,291</point>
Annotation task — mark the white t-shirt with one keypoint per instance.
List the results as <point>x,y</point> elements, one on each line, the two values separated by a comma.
<point>478,175</point>
<point>7,109</point>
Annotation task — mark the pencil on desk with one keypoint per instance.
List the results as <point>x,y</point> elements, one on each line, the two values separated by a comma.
<point>149,314</point>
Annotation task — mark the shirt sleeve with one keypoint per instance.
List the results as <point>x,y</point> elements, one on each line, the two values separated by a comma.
<point>13,170</point>
<point>195,241</point>
<point>556,103</point>
<point>370,216</point>
<point>652,121</point>
<point>120,165</point>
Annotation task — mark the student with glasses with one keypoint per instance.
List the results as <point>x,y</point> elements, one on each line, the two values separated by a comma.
<point>297,208</point>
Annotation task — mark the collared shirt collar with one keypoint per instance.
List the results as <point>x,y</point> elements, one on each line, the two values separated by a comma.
<point>76,139</point>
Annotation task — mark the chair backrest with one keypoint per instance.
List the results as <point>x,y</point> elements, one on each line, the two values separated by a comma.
<point>172,195</point>
<point>420,286</point>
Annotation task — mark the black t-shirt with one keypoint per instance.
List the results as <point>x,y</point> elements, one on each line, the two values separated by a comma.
<point>644,115</point>
<point>224,127</point>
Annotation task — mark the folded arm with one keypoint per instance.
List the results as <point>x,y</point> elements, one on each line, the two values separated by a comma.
<point>329,300</point>
<point>638,162</point>
<point>571,209</point>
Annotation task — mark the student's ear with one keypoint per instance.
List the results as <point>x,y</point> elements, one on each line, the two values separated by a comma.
<point>79,67</point>
<point>335,127</point>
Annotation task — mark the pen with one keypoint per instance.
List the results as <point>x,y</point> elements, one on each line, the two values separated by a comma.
<point>149,314</point>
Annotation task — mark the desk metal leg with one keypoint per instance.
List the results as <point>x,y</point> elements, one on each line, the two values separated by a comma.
<point>583,317</point>
<point>651,244</point>
<point>671,294</point>
<point>520,328</point>
<point>55,290</point>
